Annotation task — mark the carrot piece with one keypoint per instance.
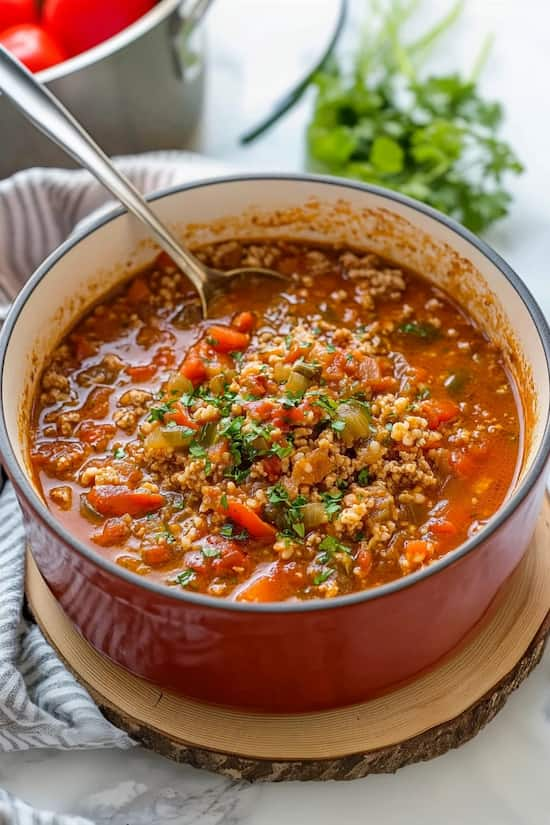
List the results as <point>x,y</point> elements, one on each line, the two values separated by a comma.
<point>138,291</point>
<point>244,321</point>
<point>179,415</point>
<point>265,588</point>
<point>246,517</point>
<point>141,372</point>
<point>194,367</point>
<point>417,550</point>
<point>439,411</point>
<point>226,339</point>
<point>158,554</point>
<point>117,500</point>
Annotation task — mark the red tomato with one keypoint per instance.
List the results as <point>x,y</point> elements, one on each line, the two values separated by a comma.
<point>33,46</point>
<point>13,12</point>
<point>80,25</point>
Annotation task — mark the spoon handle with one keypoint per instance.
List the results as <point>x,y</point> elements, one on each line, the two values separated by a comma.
<point>49,115</point>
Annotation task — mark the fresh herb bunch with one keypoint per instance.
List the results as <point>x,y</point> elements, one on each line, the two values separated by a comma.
<point>433,138</point>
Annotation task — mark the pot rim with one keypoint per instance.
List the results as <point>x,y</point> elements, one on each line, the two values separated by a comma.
<point>40,509</point>
<point>113,44</point>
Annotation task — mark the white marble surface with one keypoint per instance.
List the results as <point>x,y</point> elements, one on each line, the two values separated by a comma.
<point>502,777</point>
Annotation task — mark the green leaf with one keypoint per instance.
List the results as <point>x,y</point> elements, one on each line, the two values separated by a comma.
<point>387,156</point>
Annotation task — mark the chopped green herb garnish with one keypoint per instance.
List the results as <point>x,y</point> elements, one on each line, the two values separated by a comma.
<point>332,545</point>
<point>299,529</point>
<point>338,425</point>
<point>165,536</point>
<point>332,502</point>
<point>196,450</point>
<point>158,413</point>
<point>423,330</point>
<point>185,578</point>
<point>363,477</point>
<point>228,531</point>
<point>422,394</point>
<point>321,577</point>
<point>223,501</point>
<point>119,453</point>
<point>210,552</point>
<point>281,451</point>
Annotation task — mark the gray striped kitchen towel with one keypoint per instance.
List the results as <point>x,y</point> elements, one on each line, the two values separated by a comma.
<point>41,704</point>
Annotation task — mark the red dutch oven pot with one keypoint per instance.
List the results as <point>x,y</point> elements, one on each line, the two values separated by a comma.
<point>289,656</point>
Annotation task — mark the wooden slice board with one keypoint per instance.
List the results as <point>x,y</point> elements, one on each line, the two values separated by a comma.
<point>438,711</point>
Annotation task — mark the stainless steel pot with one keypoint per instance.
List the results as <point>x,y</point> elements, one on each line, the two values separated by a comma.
<point>137,91</point>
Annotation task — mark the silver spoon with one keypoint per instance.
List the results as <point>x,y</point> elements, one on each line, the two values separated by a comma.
<point>49,115</point>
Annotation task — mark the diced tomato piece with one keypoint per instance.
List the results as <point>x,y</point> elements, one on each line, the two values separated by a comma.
<point>226,339</point>
<point>194,367</point>
<point>158,554</point>
<point>364,561</point>
<point>231,556</point>
<point>83,348</point>
<point>294,353</point>
<point>244,321</point>
<point>442,527</point>
<point>439,411</point>
<point>196,560</point>
<point>417,550</point>
<point>164,357</point>
<point>261,410</point>
<point>96,405</point>
<point>367,367</point>
<point>46,454</point>
<point>138,291</point>
<point>179,415</point>
<point>96,435</point>
<point>246,517</point>
<point>141,372</point>
<point>114,531</point>
<point>256,385</point>
<point>387,383</point>
<point>273,467</point>
<point>117,500</point>
<point>285,417</point>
